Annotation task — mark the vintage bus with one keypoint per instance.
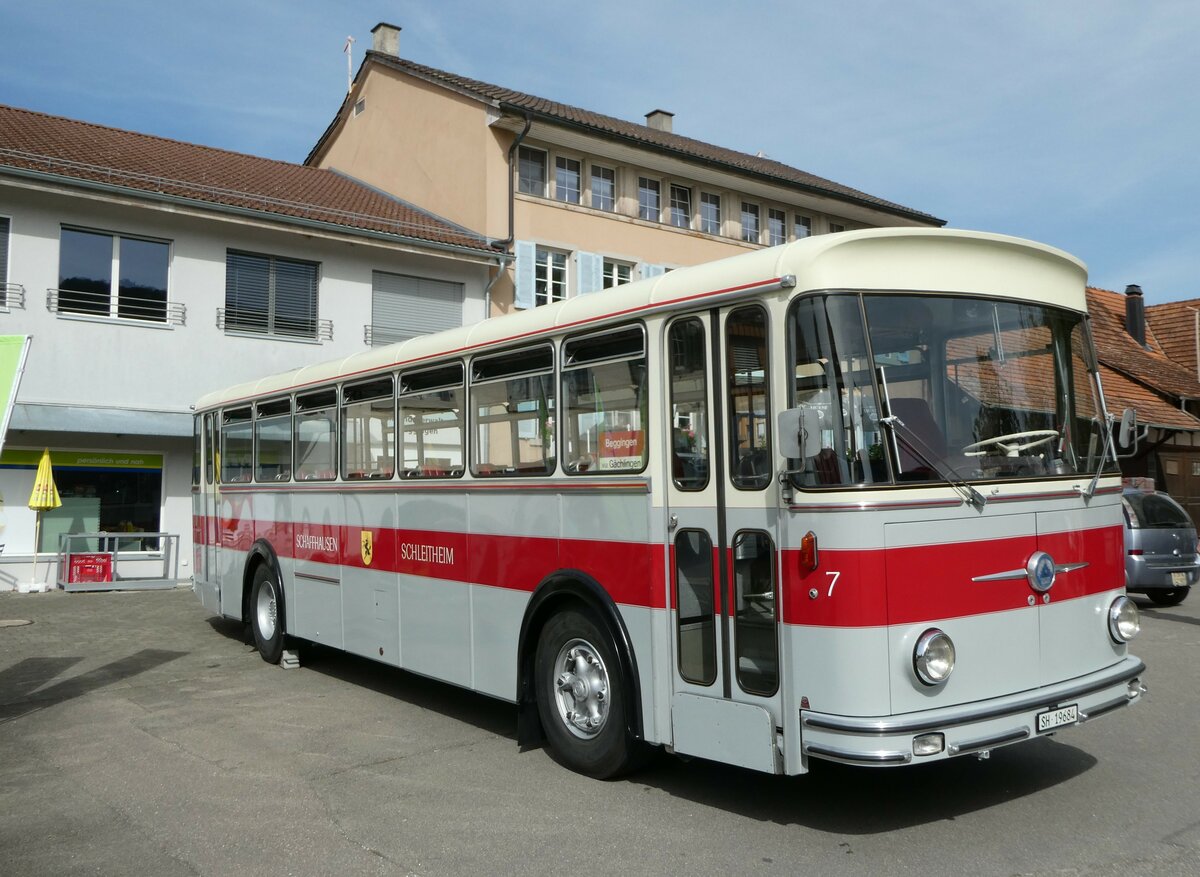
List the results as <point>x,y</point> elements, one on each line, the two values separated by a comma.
<point>852,498</point>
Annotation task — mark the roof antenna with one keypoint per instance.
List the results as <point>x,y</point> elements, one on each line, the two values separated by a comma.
<point>346,49</point>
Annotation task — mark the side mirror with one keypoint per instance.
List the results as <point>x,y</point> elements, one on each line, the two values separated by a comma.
<point>1128,434</point>
<point>799,432</point>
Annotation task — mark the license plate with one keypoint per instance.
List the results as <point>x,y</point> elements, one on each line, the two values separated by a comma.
<point>1179,579</point>
<point>1051,719</point>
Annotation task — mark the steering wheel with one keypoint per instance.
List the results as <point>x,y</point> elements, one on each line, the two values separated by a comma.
<point>1013,443</point>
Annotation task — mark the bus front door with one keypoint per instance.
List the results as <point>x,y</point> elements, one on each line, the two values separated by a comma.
<point>725,667</point>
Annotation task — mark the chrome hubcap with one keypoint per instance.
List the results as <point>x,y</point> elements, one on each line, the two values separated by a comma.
<point>581,689</point>
<point>266,610</point>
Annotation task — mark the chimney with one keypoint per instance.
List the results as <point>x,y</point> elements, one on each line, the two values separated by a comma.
<point>1135,314</point>
<point>387,39</point>
<point>659,120</point>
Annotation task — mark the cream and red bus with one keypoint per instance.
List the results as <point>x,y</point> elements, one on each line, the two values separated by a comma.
<point>852,498</point>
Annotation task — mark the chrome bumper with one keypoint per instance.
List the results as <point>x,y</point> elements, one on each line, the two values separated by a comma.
<point>967,728</point>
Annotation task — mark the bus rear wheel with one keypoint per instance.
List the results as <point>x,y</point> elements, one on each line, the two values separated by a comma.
<point>266,615</point>
<point>581,697</point>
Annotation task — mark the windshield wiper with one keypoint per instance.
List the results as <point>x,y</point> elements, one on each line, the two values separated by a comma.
<point>933,460</point>
<point>1090,490</point>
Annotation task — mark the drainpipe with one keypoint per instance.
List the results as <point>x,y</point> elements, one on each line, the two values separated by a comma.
<point>512,197</point>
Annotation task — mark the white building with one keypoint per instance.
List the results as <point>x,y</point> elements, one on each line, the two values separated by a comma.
<point>149,271</point>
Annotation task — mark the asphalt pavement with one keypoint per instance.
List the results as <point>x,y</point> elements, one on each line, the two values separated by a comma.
<point>140,736</point>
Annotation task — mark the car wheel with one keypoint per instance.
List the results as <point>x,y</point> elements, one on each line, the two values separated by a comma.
<point>1173,597</point>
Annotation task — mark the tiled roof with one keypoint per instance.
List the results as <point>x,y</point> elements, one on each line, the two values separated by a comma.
<point>1152,368</point>
<point>643,135</point>
<point>1174,326</point>
<point>1152,410</point>
<point>90,154</point>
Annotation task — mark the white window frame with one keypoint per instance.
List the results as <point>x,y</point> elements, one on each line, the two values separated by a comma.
<point>114,287</point>
<point>547,289</point>
<point>713,200</point>
<point>774,238</point>
<point>562,165</point>
<point>521,178</point>
<point>616,273</point>
<point>749,208</point>
<point>672,213</point>
<point>612,178</point>
<point>803,227</point>
<point>650,184</point>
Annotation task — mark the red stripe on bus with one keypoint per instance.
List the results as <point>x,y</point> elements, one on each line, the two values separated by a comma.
<point>875,587</point>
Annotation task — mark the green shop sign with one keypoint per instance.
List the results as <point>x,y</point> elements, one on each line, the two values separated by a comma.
<point>17,458</point>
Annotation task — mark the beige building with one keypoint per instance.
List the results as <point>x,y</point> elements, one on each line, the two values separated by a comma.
<point>579,201</point>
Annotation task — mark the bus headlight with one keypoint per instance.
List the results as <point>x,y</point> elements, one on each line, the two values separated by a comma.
<point>933,657</point>
<point>1124,621</point>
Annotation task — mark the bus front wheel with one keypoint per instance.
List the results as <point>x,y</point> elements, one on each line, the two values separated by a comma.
<point>266,615</point>
<point>581,697</point>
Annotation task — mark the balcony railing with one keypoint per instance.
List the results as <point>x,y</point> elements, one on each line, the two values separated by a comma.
<point>276,325</point>
<point>377,336</point>
<point>12,295</point>
<point>123,306</point>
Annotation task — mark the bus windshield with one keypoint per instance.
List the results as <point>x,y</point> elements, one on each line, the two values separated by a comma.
<point>899,388</point>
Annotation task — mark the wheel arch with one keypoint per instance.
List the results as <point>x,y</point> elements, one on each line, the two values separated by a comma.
<point>261,554</point>
<point>559,591</point>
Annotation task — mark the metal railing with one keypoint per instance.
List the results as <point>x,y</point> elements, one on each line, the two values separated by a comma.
<point>13,295</point>
<point>122,306</point>
<point>263,323</point>
<point>377,336</point>
<point>118,561</point>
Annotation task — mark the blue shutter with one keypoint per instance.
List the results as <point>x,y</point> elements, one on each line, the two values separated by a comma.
<point>591,272</point>
<point>524,274</point>
<point>649,270</point>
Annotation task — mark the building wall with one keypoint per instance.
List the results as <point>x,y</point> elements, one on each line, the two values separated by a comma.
<point>427,145</point>
<point>82,372</point>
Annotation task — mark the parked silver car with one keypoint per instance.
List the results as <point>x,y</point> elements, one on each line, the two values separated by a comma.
<point>1160,547</point>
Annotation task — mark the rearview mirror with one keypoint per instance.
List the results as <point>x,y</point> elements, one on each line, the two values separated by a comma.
<point>800,432</point>
<point>1128,434</point>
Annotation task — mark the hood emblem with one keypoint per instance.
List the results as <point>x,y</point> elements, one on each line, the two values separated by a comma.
<point>1040,571</point>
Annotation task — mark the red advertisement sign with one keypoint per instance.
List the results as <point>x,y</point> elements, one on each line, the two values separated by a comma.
<point>96,567</point>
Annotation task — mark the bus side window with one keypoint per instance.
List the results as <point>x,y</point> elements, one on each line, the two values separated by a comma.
<point>210,451</point>
<point>748,380</point>
<point>689,405</point>
<point>431,422</point>
<point>512,413</point>
<point>604,402</point>
<point>273,440</point>
<point>369,429</point>
<point>237,446</point>
<point>315,436</point>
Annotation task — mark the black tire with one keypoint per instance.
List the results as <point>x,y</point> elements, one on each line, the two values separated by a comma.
<point>581,697</point>
<point>1173,597</point>
<point>266,615</point>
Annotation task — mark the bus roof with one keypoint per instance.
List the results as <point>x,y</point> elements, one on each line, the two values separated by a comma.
<point>894,259</point>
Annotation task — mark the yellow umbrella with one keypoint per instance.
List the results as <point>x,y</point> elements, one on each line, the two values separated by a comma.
<point>44,497</point>
<point>45,492</point>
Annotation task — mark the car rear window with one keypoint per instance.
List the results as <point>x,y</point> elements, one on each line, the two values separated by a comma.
<point>1157,510</point>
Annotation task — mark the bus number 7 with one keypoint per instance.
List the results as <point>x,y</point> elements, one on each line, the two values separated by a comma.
<point>833,579</point>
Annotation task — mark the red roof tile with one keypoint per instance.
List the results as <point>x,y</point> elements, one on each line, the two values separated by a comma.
<point>1175,327</point>
<point>1152,367</point>
<point>70,150</point>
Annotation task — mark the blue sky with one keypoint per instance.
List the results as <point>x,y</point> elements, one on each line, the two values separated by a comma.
<point>1073,122</point>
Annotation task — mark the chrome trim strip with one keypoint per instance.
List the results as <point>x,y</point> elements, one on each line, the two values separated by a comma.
<point>1128,669</point>
<point>882,756</point>
<point>987,743</point>
<point>1011,574</point>
<point>329,580</point>
<point>1105,708</point>
<point>874,505</point>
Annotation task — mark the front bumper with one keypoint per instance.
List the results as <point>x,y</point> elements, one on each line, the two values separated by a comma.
<point>968,728</point>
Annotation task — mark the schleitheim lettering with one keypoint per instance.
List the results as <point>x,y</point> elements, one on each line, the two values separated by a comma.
<point>421,553</point>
